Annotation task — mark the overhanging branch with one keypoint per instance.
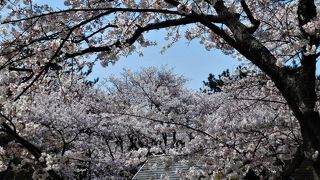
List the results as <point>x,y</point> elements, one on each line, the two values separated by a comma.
<point>36,152</point>
<point>163,11</point>
<point>141,30</point>
<point>255,23</point>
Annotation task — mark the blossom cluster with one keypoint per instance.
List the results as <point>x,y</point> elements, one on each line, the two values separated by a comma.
<point>83,131</point>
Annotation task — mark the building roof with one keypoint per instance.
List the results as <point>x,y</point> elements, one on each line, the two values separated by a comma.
<point>161,167</point>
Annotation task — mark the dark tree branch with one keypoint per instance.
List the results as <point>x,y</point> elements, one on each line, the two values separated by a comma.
<point>108,10</point>
<point>30,147</point>
<point>9,120</point>
<point>250,47</point>
<point>182,125</point>
<point>255,23</point>
<point>20,69</point>
<point>259,55</point>
<point>56,54</point>
<point>307,11</point>
<point>172,2</point>
<point>109,148</point>
<point>64,144</point>
<point>140,30</point>
<point>293,164</point>
<point>260,99</point>
<point>86,38</point>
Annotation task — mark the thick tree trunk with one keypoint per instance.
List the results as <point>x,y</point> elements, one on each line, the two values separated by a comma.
<point>310,130</point>
<point>296,85</point>
<point>299,91</point>
<point>303,87</point>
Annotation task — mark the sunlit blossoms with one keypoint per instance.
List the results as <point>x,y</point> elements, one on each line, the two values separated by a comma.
<point>110,132</point>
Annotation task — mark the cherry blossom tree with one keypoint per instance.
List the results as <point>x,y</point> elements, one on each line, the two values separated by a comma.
<point>59,131</point>
<point>246,126</point>
<point>272,35</point>
<point>66,129</point>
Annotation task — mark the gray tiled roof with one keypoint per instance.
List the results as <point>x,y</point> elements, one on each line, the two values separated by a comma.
<point>155,169</point>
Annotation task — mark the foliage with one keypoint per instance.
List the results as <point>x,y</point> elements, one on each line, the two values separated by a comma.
<point>214,85</point>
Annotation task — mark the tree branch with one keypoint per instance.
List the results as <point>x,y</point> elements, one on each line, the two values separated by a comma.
<point>182,125</point>
<point>56,54</point>
<point>293,164</point>
<point>30,147</point>
<point>140,30</point>
<point>255,23</point>
<point>260,99</point>
<point>20,69</point>
<point>164,11</point>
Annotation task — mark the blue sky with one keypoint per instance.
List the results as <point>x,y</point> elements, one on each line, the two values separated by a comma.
<point>188,59</point>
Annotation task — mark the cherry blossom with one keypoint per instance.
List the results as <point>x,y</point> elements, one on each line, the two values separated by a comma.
<point>40,44</point>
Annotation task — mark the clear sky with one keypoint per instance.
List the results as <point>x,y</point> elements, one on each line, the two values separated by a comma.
<point>191,60</point>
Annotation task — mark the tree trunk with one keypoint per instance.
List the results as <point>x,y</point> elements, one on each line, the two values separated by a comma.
<point>310,131</point>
